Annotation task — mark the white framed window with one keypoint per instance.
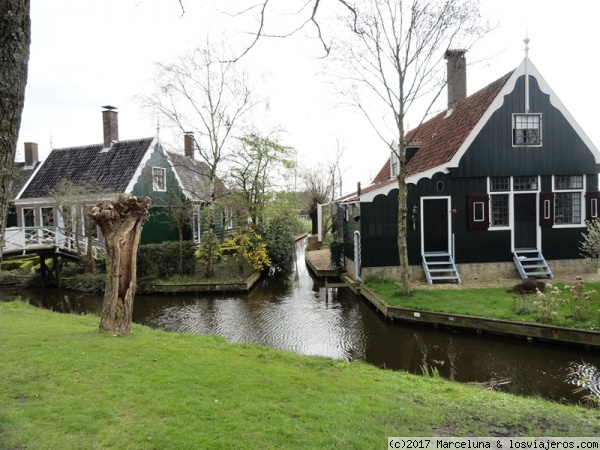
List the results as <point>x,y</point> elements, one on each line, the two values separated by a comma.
<point>527,130</point>
<point>501,191</point>
<point>568,199</point>
<point>28,217</point>
<point>526,183</point>
<point>499,201</point>
<point>159,179</point>
<point>47,216</point>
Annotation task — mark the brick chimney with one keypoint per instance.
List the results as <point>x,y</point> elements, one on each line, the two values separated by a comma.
<point>188,144</point>
<point>110,125</point>
<point>456,68</point>
<point>31,153</point>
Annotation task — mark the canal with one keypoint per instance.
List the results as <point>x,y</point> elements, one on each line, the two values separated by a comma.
<point>291,312</point>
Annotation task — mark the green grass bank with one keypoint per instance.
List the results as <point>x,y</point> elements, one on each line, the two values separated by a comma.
<point>497,302</point>
<point>65,385</point>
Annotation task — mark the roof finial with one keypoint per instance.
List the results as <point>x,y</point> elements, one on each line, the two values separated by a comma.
<point>526,42</point>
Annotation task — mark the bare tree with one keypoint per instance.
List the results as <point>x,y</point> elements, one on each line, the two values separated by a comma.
<point>204,92</point>
<point>72,203</point>
<point>337,170</point>
<point>285,18</point>
<point>121,222</point>
<point>392,58</point>
<point>318,189</point>
<point>15,39</point>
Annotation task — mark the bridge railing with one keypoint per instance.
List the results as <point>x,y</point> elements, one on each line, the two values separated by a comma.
<point>22,239</point>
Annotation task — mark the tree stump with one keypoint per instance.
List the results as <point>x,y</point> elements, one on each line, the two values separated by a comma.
<point>121,222</point>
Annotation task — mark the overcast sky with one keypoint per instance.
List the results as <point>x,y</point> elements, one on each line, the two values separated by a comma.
<point>86,54</point>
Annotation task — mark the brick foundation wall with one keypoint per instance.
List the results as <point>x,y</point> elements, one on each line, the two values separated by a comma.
<point>565,269</point>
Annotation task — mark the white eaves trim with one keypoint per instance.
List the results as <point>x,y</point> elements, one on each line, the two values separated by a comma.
<point>526,66</point>
<point>142,164</point>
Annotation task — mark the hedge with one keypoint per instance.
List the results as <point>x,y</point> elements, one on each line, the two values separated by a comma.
<point>162,260</point>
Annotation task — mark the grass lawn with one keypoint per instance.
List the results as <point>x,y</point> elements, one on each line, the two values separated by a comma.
<point>65,385</point>
<point>499,303</point>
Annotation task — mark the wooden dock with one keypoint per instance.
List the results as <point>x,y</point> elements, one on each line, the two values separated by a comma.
<point>319,262</point>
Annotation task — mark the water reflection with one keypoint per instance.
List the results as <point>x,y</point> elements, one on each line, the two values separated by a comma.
<point>292,312</point>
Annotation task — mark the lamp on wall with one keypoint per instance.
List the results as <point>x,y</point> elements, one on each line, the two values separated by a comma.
<point>414,216</point>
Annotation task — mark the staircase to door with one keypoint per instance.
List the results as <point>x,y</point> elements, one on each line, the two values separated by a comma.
<point>531,263</point>
<point>437,259</point>
<point>439,266</point>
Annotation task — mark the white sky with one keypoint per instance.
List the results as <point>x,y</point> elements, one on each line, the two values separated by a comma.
<point>86,54</point>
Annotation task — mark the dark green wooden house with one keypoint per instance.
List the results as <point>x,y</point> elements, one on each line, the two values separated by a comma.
<point>139,167</point>
<point>499,185</point>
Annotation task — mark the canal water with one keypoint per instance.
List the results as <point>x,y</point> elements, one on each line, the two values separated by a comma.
<point>292,312</point>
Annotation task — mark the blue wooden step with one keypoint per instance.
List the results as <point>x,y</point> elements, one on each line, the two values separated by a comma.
<point>432,265</point>
<point>531,263</point>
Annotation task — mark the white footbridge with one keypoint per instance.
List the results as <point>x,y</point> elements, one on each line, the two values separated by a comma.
<point>22,240</point>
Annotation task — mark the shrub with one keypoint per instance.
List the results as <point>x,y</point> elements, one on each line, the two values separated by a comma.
<point>90,284</point>
<point>209,248</point>
<point>548,305</point>
<point>590,246</point>
<point>11,265</point>
<point>8,279</point>
<point>587,378</point>
<point>250,251</point>
<point>336,250</point>
<point>162,260</point>
<point>529,285</point>
<point>33,281</point>
<point>578,299</point>
<point>278,234</point>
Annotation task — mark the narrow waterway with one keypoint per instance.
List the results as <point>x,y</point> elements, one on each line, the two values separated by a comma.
<point>293,312</point>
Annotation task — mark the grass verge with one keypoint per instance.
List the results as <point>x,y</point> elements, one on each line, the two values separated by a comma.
<point>67,385</point>
<point>498,303</point>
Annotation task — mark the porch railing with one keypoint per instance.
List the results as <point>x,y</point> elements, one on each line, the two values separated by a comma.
<point>30,238</point>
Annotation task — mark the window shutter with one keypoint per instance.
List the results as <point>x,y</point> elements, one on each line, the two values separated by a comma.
<point>546,209</point>
<point>478,207</point>
<point>592,204</point>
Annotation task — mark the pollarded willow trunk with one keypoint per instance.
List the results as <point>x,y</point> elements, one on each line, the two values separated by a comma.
<point>121,222</point>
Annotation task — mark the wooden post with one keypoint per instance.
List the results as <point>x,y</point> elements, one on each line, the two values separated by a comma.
<point>43,269</point>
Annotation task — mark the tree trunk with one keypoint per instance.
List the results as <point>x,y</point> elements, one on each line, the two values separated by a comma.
<point>314,219</point>
<point>121,222</point>
<point>15,37</point>
<point>180,249</point>
<point>402,225</point>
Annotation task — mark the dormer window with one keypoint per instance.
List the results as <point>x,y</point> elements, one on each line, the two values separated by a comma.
<point>527,130</point>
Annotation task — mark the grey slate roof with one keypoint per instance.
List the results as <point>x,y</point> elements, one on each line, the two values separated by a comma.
<point>194,177</point>
<point>110,170</point>
<point>24,174</point>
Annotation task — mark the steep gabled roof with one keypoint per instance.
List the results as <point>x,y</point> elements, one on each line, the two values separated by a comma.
<point>442,136</point>
<point>192,176</point>
<point>110,170</point>
<point>23,176</point>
